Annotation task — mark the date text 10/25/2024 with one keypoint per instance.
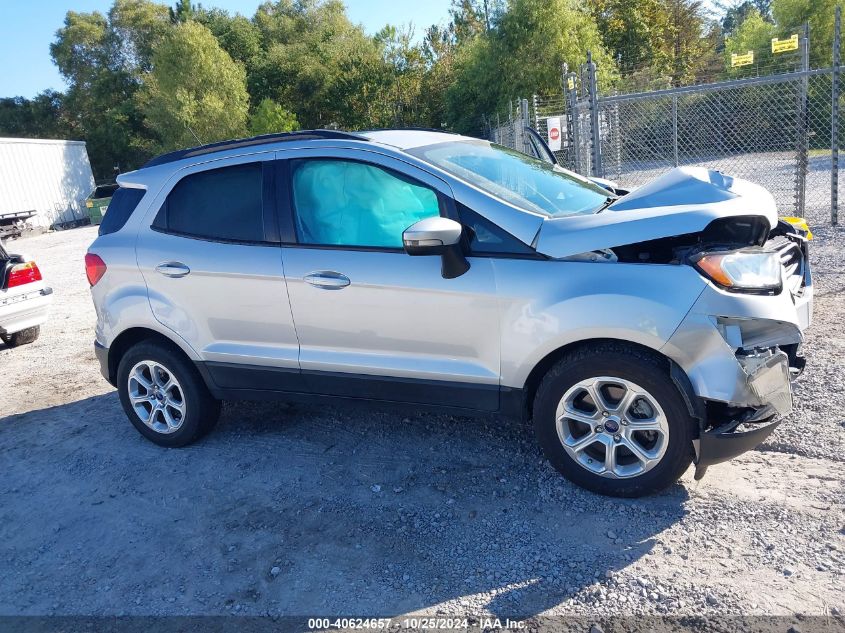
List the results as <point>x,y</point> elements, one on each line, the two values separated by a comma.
<point>416,623</point>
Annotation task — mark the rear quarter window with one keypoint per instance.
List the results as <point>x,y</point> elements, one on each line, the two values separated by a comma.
<point>222,204</point>
<point>103,191</point>
<point>122,205</point>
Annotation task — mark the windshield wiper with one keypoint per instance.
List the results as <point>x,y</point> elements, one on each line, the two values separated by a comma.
<point>608,201</point>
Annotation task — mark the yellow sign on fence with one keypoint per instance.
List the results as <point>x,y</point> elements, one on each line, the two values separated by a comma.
<point>742,60</point>
<point>781,46</point>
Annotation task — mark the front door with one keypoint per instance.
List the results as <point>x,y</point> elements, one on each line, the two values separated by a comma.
<point>372,321</point>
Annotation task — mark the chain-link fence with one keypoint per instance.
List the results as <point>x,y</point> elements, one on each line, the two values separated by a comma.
<point>780,131</point>
<point>774,131</point>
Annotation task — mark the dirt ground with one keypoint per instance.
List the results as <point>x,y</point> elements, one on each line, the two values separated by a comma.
<point>306,510</point>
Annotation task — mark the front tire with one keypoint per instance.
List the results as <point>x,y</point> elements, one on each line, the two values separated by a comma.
<point>610,419</point>
<point>164,395</point>
<point>23,337</point>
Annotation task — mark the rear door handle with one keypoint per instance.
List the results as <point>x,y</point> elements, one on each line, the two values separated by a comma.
<point>327,280</point>
<point>172,269</point>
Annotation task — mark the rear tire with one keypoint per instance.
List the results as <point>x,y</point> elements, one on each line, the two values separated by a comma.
<point>164,395</point>
<point>610,419</point>
<point>23,337</point>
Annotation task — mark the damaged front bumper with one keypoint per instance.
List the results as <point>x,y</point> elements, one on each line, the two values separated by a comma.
<point>768,380</point>
<point>740,367</point>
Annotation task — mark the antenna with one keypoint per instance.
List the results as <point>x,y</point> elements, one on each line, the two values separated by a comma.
<point>199,142</point>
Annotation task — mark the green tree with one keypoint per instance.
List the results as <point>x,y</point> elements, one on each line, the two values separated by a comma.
<point>236,34</point>
<point>520,56</point>
<point>735,13</point>
<point>136,27</point>
<point>314,57</point>
<point>790,15</point>
<point>183,11</point>
<point>438,49</point>
<point>270,117</point>
<point>470,18</point>
<point>195,93</point>
<point>102,58</point>
<point>691,46</point>
<point>753,34</point>
<point>477,89</point>
<point>43,116</point>
<point>405,67</point>
<point>633,32</point>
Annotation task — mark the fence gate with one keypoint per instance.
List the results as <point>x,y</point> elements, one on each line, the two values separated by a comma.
<point>760,129</point>
<point>780,131</point>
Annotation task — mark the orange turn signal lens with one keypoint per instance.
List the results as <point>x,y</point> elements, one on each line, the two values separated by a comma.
<point>711,265</point>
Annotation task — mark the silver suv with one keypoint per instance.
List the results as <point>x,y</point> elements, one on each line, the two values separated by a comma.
<point>640,331</point>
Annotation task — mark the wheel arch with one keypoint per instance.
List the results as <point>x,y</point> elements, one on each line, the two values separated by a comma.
<point>675,372</point>
<point>131,337</point>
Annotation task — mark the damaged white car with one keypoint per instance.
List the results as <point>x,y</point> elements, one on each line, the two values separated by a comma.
<point>640,332</point>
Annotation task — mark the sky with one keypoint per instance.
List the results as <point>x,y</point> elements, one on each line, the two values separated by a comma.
<point>27,27</point>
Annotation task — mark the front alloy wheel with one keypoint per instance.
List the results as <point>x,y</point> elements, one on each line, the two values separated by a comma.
<point>612,427</point>
<point>609,417</point>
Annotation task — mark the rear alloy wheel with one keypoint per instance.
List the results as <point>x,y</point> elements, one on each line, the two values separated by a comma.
<point>164,396</point>
<point>610,419</point>
<point>156,396</point>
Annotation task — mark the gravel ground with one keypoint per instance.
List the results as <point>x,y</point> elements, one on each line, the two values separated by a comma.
<point>304,510</point>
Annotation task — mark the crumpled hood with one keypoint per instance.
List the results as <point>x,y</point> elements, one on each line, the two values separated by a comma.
<point>684,200</point>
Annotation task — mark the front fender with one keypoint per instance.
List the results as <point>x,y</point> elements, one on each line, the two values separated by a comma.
<point>546,305</point>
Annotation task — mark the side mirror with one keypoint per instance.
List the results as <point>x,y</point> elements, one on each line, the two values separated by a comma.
<point>438,236</point>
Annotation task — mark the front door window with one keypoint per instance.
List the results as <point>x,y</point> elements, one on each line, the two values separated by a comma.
<point>349,203</point>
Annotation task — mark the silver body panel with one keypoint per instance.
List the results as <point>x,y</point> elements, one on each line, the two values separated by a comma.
<point>232,304</point>
<point>378,313</point>
<point>398,317</point>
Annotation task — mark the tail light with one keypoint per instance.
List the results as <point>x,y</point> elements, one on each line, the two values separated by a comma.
<point>95,268</point>
<point>22,274</point>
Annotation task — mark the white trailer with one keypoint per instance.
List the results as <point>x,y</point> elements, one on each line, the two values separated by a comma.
<point>50,177</point>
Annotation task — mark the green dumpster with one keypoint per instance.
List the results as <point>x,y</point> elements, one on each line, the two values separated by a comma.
<point>98,202</point>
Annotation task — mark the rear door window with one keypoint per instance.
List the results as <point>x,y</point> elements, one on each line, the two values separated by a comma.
<point>122,205</point>
<point>224,204</point>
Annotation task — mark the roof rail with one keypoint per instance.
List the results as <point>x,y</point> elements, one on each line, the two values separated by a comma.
<point>302,135</point>
<point>409,129</point>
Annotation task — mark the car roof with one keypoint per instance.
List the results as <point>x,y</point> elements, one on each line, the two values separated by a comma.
<point>264,139</point>
<point>410,138</point>
<point>403,139</point>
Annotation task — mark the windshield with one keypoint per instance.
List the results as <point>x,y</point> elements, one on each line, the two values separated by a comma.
<point>515,177</point>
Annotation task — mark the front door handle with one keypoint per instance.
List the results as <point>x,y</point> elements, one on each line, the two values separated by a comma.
<point>172,269</point>
<point>327,280</point>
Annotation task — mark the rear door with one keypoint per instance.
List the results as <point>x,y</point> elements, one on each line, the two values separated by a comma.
<point>211,258</point>
<point>372,321</point>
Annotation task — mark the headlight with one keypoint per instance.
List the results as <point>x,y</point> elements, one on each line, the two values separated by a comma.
<point>744,270</point>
